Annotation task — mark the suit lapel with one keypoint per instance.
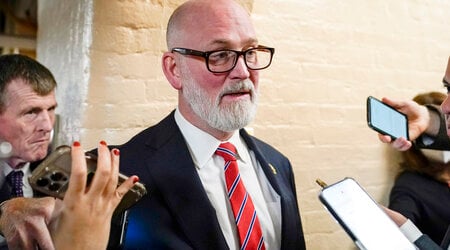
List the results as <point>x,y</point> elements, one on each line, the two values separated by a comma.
<point>270,171</point>
<point>282,182</point>
<point>5,192</point>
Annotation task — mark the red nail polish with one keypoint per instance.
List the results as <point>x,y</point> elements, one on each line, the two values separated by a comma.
<point>135,179</point>
<point>116,151</point>
<point>76,144</point>
<point>103,143</point>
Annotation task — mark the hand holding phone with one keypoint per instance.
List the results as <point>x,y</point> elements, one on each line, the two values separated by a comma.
<point>51,177</point>
<point>386,119</point>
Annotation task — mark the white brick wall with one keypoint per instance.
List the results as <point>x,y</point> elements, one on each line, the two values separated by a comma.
<point>330,55</point>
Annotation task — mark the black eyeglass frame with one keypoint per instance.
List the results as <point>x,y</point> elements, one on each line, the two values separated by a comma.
<point>446,84</point>
<point>206,54</point>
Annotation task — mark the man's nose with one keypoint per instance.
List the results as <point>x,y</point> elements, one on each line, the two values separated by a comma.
<point>46,121</point>
<point>241,70</point>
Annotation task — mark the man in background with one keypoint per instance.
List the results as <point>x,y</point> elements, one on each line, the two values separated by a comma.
<point>27,116</point>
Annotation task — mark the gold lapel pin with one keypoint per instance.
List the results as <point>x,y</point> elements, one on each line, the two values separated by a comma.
<point>273,169</point>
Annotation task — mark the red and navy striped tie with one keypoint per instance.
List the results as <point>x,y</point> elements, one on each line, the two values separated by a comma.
<point>248,227</point>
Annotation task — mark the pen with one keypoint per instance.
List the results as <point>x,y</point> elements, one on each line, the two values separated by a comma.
<point>321,183</point>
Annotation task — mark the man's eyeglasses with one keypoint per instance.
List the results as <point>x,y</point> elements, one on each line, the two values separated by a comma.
<point>221,61</point>
<point>446,85</point>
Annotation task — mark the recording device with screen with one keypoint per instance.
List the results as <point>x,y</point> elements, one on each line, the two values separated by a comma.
<point>362,218</point>
<point>385,119</point>
<point>52,176</point>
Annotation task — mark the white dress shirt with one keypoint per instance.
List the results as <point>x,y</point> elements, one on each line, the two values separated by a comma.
<point>209,166</point>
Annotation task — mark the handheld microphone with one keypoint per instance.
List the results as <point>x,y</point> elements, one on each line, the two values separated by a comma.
<point>5,149</point>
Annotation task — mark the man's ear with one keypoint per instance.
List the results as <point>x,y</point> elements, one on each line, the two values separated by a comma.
<point>171,70</point>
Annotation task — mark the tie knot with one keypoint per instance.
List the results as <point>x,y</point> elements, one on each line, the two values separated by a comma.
<point>227,151</point>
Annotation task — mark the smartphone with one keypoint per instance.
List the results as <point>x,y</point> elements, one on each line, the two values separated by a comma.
<point>51,177</point>
<point>362,218</point>
<point>386,120</point>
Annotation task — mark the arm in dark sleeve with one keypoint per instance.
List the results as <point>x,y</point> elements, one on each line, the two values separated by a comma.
<point>441,141</point>
<point>445,244</point>
<point>405,205</point>
<point>425,243</point>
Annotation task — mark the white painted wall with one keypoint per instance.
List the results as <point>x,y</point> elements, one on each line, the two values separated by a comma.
<point>63,41</point>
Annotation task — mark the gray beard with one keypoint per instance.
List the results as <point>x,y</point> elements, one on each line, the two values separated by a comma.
<point>226,118</point>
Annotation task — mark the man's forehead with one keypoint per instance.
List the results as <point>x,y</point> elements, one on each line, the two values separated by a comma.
<point>17,85</point>
<point>229,43</point>
<point>22,96</point>
<point>226,35</point>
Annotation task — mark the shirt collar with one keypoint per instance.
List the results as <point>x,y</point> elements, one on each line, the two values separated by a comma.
<point>5,169</point>
<point>202,145</point>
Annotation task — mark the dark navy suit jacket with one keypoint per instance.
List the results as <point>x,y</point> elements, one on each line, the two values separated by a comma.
<point>426,243</point>
<point>176,213</point>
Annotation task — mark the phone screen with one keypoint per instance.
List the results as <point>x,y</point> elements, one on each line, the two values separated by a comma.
<point>362,218</point>
<point>385,119</point>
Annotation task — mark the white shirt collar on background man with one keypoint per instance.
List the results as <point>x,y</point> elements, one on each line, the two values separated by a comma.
<point>202,147</point>
<point>6,169</point>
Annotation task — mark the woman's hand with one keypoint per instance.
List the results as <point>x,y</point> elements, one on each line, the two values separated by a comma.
<point>85,216</point>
